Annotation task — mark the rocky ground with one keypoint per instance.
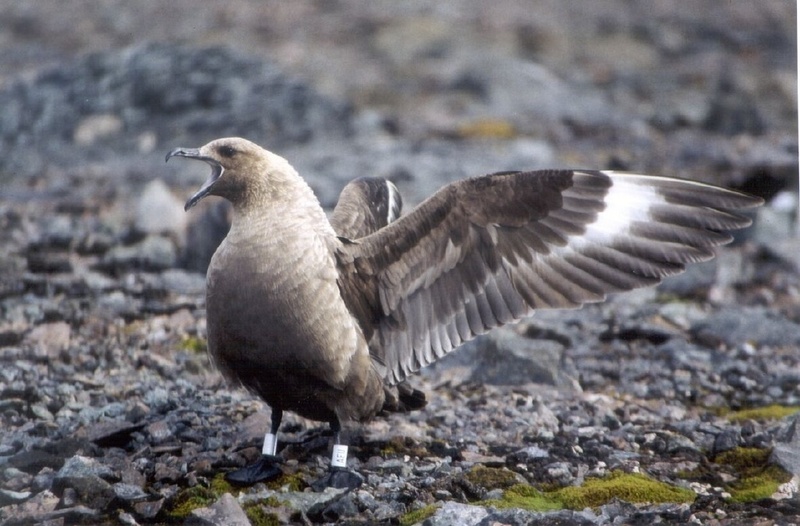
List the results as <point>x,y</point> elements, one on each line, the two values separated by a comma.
<point>676,404</point>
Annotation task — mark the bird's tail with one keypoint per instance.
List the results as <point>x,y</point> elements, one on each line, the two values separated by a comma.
<point>402,398</point>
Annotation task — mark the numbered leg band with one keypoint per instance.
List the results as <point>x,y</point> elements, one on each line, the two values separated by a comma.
<point>270,444</point>
<point>339,456</point>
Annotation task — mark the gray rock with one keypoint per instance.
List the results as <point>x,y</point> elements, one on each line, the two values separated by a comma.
<point>225,512</point>
<point>694,283</point>
<point>79,466</point>
<point>207,226</point>
<point>47,261</point>
<point>43,480</point>
<point>49,339</point>
<point>726,440</point>
<point>398,466</point>
<point>306,501</point>
<point>56,232</point>
<point>518,517</point>
<point>385,511</point>
<point>8,496</point>
<point>160,89</point>
<point>148,509</point>
<point>733,112</point>
<point>158,211</point>
<point>338,509</point>
<point>15,479</point>
<point>754,325</point>
<point>85,477</point>
<point>787,452</point>
<point>129,492</point>
<point>504,357</point>
<point>183,282</point>
<point>152,253</point>
<point>530,453</point>
<point>456,514</point>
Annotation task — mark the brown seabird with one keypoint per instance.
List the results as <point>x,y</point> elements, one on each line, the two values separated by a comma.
<point>327,319</point>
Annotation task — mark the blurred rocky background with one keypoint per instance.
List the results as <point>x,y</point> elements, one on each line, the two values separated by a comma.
<point>110,412</point>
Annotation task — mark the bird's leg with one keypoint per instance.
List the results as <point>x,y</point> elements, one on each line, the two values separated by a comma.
<point>271,439</point>
<point>265,468</point>
<point>339,454</point>
<point>338,476</point>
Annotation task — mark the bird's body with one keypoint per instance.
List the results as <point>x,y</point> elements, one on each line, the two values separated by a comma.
<point>328,319</point>
<point>274,264</point>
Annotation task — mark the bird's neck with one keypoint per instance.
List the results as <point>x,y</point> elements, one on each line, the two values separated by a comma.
<point>278,214</point>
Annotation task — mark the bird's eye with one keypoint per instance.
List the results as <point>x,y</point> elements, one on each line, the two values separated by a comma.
<point>226,150</point>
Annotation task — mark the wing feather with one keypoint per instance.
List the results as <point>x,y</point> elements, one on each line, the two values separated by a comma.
<point>488,251</point>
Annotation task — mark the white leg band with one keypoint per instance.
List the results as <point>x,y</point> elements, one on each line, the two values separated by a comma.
<point>339,456</point>
<point>270,444</point>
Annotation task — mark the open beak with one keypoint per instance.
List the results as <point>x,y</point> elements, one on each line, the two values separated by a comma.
<point>216,172</point>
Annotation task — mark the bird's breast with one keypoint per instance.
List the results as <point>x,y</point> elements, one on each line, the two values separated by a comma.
<point>273,303</point>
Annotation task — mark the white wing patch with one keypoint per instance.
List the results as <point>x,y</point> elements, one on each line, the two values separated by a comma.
<point>393,212</point>
<point>626,202</point>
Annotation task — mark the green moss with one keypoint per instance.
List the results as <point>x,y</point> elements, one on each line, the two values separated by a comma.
<point>630,487</point>
<point>200,497</point>
<point>415,516</point>
<point>220,486</point>
<point>757,487</point>
<point>259,516</point>
<point>403,446</point>
<point>193,344</point>
<point>524,497</point>
<point>744,459</point>
<point>488,129</point>
<point>293,482</point>
<point>770,412</point>
<point>491,478</point>
<point>190,499</point>
<point>757,479</point>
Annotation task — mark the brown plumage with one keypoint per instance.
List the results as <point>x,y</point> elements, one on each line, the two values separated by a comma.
<point>324,320</point>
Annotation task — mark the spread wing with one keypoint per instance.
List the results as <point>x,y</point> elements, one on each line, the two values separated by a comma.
<point>365,205</point>
<point>487,251</point>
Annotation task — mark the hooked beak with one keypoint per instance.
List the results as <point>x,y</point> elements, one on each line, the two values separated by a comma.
<point>216,172</point>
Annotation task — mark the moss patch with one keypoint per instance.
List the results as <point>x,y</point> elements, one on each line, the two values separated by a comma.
<point>630,487</point>
<point>487,129</point>
<point>190,499</point>
<point>524,497</point>
<point>220,486</point>
<point>194,344</point>
<point>757,479</point>
<point>413,517</point>
<point>292,482</point>
<point>403,446</point>
<point>259,516</point>
<point>770,412</point>
<point>200,497</point>
<point>491,478</point>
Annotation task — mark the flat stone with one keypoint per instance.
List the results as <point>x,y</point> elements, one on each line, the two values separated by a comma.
<point>86,477</point>
<point>112,433</point>
<point>787,453</point>
<point>152,253</point>
<point>13,497</point>
<point>50,338</point>
<point>304,502</point>
<point>158,211</point>
<point>457,514</point>
<point>755,325</point>
<point>225,512</point>
<point>129,492</point>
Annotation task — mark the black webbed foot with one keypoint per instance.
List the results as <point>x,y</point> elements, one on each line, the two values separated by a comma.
<point>264,469</point>
<point>338,478</point>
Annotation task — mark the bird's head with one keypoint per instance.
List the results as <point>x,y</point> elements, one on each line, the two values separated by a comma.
<point>240,169</point>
